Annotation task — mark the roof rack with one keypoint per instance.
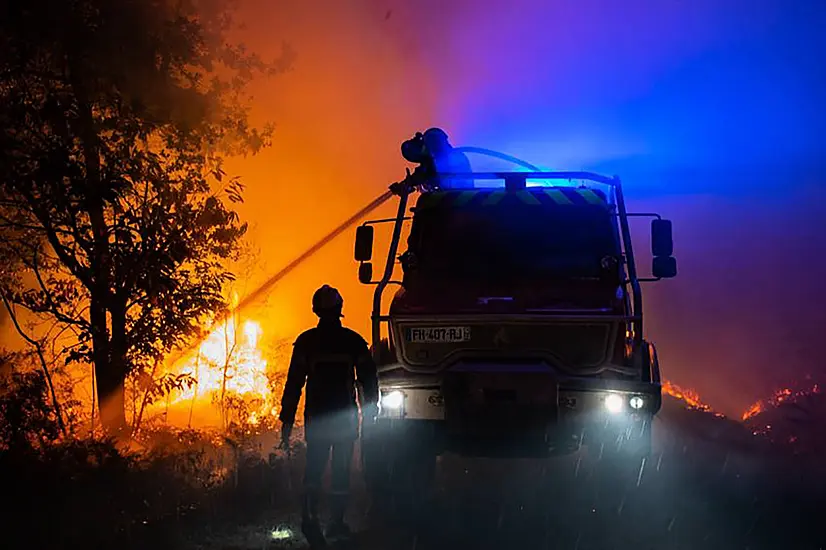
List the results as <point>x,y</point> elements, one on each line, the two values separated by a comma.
<point>518,180</point>
<point>541,195</point>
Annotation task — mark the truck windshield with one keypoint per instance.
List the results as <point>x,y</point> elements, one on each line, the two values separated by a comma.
<point>512,243</point>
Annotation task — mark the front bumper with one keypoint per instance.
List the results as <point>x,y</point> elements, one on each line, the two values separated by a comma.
<point>519,405</point>
<point>575,399</point>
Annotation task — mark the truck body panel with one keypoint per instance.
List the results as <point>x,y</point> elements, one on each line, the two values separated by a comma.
<point>519,318</point>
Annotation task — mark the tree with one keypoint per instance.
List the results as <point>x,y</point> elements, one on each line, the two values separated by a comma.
<point>114,119</point>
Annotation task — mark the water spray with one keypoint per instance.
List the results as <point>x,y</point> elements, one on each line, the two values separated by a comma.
<point>267,285</point>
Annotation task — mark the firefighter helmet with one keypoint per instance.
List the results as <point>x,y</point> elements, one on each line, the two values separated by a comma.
<point>327,300</point>
<point>436,142</point>
<point>435,134</point>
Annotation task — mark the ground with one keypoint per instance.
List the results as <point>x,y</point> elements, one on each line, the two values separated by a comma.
<point>700,489</point>
<point>710,484</point>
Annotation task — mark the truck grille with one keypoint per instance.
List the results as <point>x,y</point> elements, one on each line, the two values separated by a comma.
<point>571,345</point>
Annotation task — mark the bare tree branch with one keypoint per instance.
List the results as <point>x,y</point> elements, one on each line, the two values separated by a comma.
<point>38,347</point>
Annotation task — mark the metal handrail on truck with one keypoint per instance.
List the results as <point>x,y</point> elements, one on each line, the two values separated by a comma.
<point>514,181</point>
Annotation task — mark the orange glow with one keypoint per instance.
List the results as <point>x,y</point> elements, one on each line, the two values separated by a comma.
<point>352,96</point>
<point>229,363</point>
<point>231,350</point>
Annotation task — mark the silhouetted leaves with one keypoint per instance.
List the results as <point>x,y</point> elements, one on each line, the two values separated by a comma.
<point>235,191</point>
<point>166,384</point>
<point>27,419</point>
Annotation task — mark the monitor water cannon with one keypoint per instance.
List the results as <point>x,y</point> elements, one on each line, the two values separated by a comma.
<point>414,149</point>
<point>422,148</point>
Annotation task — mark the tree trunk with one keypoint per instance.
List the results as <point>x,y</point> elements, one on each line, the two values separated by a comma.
<point>109,367</point>
<point>111,400</point>
<point>117,354</point>
<point>109,381</point>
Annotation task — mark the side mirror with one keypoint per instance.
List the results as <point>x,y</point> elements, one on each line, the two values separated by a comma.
<point>364,243</point>
<point>664,267</point>
<point>662,243</point>
<point>366,273</point>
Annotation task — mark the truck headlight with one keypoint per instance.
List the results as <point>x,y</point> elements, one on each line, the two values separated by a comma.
<point>392,400</point>
<point>614,403</point>
<point>637,402</point>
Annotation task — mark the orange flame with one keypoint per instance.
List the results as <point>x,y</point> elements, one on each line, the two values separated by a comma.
<point>228,359</point>
<point>688,396</point>
<point>753,410</point>
<point>780,396</point>
<point>228,362</point>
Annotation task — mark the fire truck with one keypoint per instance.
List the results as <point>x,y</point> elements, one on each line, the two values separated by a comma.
<point>516,325</point>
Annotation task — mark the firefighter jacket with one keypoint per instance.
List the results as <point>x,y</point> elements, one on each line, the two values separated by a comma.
<point>453,161</point>
<point>330,359</point>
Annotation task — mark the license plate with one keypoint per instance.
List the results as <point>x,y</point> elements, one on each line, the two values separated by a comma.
<point>434,335</point>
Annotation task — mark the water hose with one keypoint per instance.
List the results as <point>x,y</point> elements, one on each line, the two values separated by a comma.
<point>255,295</point>
<point>497,154</point>
<point>352,220</point>
<point>267,285</point>
<point>251,298</point>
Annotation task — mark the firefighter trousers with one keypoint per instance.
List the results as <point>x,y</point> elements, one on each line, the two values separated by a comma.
<point>318,455</point>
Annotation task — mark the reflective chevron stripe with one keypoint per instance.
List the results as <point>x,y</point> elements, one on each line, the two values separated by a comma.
<point>527,197</point>
<point>557,196</point>
<point>494,198</point>
<point>465,197</point>
<point>535,196</point>
<point>591,197</point>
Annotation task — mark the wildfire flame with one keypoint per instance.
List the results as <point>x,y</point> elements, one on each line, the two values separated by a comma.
<point>692,399</point>
<point>688,396</point>
<point>780,396</point>
<point>229,362</point>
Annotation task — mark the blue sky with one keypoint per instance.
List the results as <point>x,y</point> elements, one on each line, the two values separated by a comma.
<point>654,91</point>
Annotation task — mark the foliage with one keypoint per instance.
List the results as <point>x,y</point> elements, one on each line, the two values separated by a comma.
<point>164,385</point>
<point>27,418</point>
<point>97,493</point>
<point>90,492</point>
<point>115,116</point>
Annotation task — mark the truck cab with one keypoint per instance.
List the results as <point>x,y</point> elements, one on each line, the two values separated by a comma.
<point>516,326</point>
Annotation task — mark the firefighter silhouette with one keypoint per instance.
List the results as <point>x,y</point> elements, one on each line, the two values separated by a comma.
<point>330,359</point>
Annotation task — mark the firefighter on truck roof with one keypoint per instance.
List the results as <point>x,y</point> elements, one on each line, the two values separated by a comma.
<point>329,359</point>
<point>433,149</point>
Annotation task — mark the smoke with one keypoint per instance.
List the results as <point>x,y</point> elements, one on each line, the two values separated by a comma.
<point>746,314</point>
<point>710,111</point>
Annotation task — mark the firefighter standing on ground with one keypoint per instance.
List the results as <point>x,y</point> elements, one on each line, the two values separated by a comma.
<point>329,359</point>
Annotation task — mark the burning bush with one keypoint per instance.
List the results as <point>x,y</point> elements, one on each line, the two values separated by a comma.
<point>791,418</point>
<point>232,382</point>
